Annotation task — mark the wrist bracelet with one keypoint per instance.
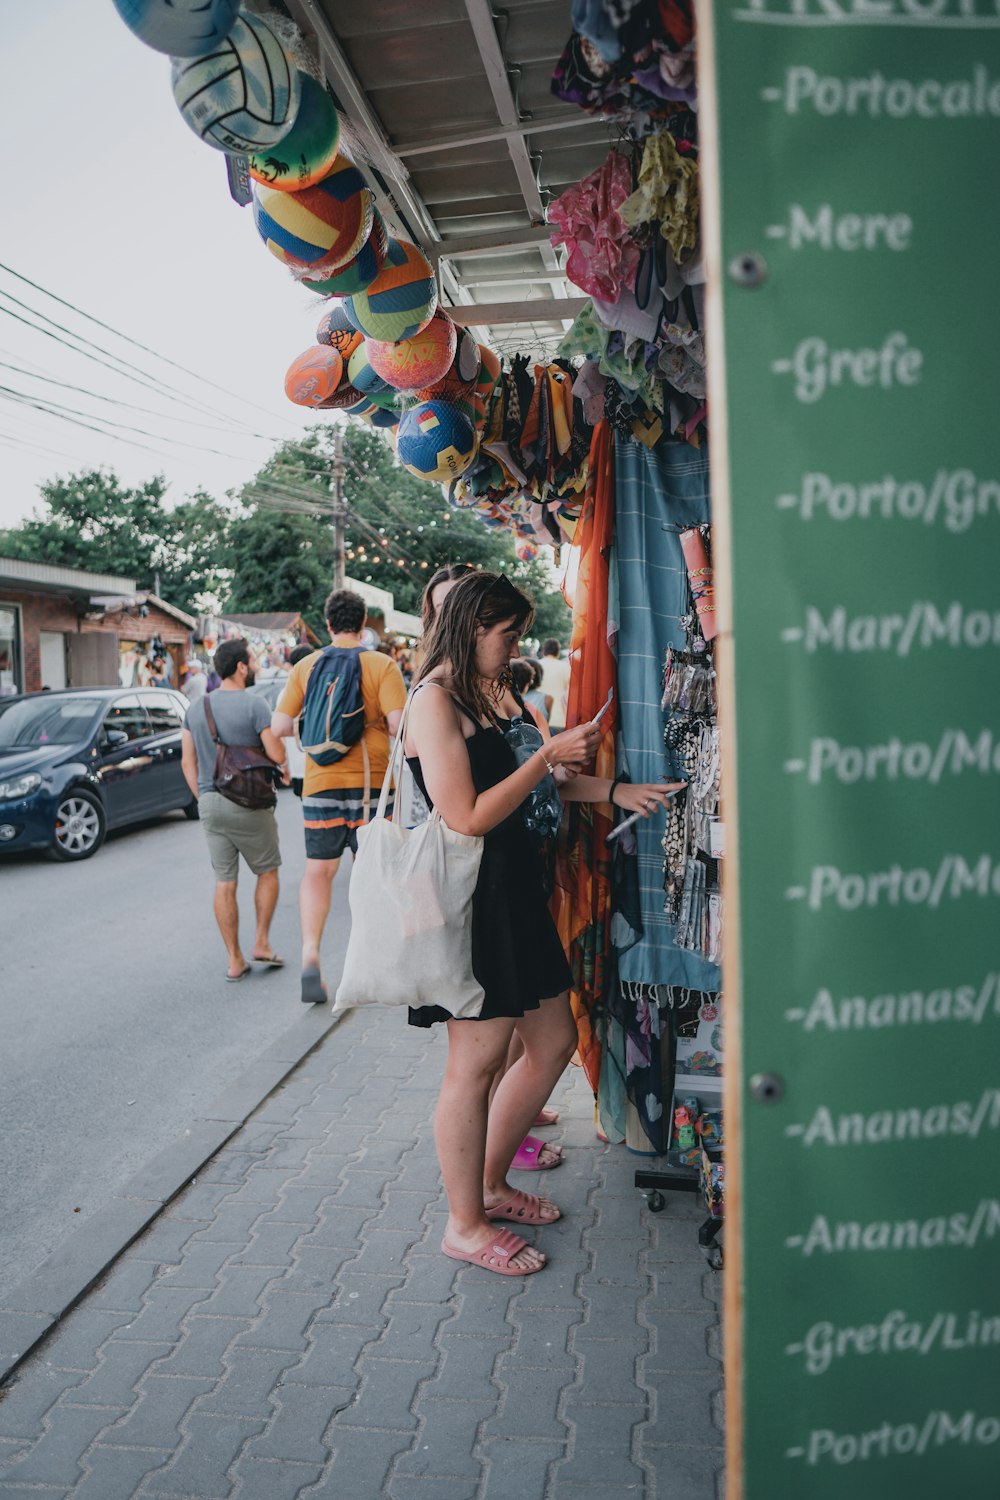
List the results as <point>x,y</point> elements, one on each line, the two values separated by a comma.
<point>548,764</point>
<point>611,789</point>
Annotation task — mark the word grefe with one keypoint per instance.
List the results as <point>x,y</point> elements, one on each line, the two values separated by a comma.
<point>953,879</point>
<point>914,1124</point>
<point>927,11</point>
<point>922,626</point>
<point>958,496</point>
<point>896,1334</point>
<point>913,760</point>
<point>966,1002</point>
<point>953,1231</point>
<point>818,368</point>
<point>938,1429</point>
<point>877,97</point>
<point>849,232</point>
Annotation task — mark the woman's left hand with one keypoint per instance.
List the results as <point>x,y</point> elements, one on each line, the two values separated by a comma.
<point>645,797</point>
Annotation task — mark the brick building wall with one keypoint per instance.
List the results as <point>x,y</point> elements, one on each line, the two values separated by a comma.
<point>60,613</point>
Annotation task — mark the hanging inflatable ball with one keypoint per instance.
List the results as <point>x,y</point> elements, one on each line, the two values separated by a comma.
<point>242,97</point>
<point>308,151</point>
<point>360,272</point>
<point>402,298</point>
<point>526,551</point>
<point>385,420</point>
<point>460,376</point>
<point>336,329</point>
<point>344,398</point>
<point>489,371</point>
<point>184,28</point>
<point>315,376</point>
<point>316,227</point>
<point>434,441</point>
<point>363,377</point>
<point>418,361</point>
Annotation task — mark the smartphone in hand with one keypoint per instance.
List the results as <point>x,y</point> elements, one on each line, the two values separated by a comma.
<point>603,710</point>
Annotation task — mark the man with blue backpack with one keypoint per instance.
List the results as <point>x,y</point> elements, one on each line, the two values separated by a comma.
<point>348,702</point>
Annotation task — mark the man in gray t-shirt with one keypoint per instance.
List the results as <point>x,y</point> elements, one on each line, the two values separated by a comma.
<point>231,831</point>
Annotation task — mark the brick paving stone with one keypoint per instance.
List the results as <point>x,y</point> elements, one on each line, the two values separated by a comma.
<point>55,1458</point>
<point>609,1468</point>
<point>529,1404</point>
<point>684,1411</point>
<point>313,1122</point>
<point>339,1227</point>
<point>164,1242</point>
<point>291,1152</point>
<point>301,1416</point>
<point>542,1340</point>
<point>22,1492</point>
<point>466,1370</point>
<point>382,1253</point>
<point>113,1382</point>
<point>608,1372</point>
<point>685,1473</point>
<point>448,1432</point>
<point>245,1389</point>
<point>29,1396</point>
<point>359,1190</point>
<point>275,1481</point>
<point>227,1168</point>
<point>202,1347</point>
<point>432,1277</point>
<point>161,1315</point>
<point>298,1205</point>
<point>322,1171</point>
<point>679,1285</point>
<point>210,1448</point>
<point>413,1487</point>
<point>681,1342</point>
<point>333,1354</point>
<point>614,1489</point>
<point>117,1472</point>
<point>362,1459</point>
<point>123,1289</point>
<point>386,1395</point>
<point>555,1287</point>
<point>283,1325</point>
<point>232,1224</point>
<point>80,1336</point>
<point>200,1264</point>
<point>516,1468</point>
<point>237,1294</point>
<point>200,1200</point>
<point>271,1246</point>
<point>361,1296</point>
<point>676,1239</point>
<point>154,1420</point>
<point>416,1321</point>
<point>402,1209</point>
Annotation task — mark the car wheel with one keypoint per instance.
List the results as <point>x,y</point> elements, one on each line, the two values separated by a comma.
<point>191,810</point>
<point>80,826</point>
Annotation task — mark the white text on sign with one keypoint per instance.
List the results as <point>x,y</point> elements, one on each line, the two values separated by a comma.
<point>830,231</point>
<point>937,1430</point>
<point>955,496</point>
<point>882,1127</point>
<point>953,1231</point>
<point>953,880</point>
<point>894,759</point>
<point>923,626</point>
<point>932,1007</point>
<point>927,13</point>
<point>818,368</point>
<point>896,1334</point>
<point>876,97</point>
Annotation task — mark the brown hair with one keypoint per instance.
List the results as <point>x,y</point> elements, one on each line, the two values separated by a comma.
<point>481,599</point>
<point>450,573</point>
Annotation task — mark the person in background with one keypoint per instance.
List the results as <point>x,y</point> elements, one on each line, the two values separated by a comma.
<point>296,754</point>
<point>334,803</point>
<point>439,585</point>
<point>233,832</point>
<point>524,678</point>
<point>195,682</point>
<point>555,682</point>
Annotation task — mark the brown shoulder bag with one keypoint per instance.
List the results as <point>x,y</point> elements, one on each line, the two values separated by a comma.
<point>243,773</point>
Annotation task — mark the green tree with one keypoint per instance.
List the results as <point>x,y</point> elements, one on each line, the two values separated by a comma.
<point>400,529</point>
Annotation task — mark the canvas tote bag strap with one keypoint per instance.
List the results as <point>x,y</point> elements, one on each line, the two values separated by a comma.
<point>395,761</point>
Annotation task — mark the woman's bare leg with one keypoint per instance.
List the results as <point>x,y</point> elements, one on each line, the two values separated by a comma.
<point>549,1037</point>
<point>476,1051</point>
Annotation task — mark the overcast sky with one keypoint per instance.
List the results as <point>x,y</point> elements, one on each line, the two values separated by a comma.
<point>114,205</point>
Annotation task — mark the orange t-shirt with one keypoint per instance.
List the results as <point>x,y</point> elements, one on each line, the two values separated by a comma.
<point>383,691</point>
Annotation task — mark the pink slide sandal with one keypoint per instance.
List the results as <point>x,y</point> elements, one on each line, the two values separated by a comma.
<point>495,1254</point>
<point>521,1208</point>
<point>527,1157</point>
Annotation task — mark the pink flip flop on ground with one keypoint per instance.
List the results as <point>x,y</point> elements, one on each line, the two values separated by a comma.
<point>521,1208</point>
<point>547,1116</point>
<point>527,1157</point>
<point>495,1253</point>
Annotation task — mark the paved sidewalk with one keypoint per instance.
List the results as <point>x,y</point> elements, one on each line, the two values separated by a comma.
<point>288,1327</point>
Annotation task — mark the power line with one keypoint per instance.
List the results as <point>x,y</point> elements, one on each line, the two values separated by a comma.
<point>57,409</point>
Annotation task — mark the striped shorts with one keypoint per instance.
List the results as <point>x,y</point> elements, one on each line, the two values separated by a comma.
<point>332,818</point>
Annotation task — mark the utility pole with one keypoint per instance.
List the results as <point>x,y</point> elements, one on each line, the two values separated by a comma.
<point>339,509</point>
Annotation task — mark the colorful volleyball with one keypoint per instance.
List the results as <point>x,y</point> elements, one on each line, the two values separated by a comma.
<point>184,28</point>
<point>363,376</point>
<point>336,329</point>
<point>309,150</point>
<point>243,97</point>
<point>402,298</point>
<point>316,227</point>
<point>460,376</point>
<point>419,361</point>
<point>315,376</point>
<point>360,272</point>
<point>434,441</point>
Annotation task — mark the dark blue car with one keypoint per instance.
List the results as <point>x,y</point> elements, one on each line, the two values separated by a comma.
<point>75,763</point>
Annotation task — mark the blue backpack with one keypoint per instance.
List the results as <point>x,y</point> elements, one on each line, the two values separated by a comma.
<point>333,714</point>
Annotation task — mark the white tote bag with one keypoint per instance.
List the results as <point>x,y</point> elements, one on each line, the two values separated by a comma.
<point>411,912</point>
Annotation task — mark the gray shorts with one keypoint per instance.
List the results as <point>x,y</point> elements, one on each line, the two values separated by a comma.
<point>232,830</point>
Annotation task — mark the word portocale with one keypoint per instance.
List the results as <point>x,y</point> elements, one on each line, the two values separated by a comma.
<point>876,97</point>
<point>868,12</point>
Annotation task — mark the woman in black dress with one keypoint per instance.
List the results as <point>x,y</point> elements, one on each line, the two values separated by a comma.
<point>466,769</point>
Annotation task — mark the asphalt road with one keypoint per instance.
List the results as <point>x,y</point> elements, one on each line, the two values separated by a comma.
<point>118,1027</point>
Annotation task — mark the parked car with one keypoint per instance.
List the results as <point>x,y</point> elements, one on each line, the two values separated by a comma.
<point>75,763</point>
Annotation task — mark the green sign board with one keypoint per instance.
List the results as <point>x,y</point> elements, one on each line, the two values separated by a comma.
<point>857,443</point>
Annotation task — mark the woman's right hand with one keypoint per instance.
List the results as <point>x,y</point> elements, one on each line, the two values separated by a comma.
<point>574,748</point>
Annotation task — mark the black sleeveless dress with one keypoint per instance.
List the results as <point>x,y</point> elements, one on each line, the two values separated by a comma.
<point>517,956</point>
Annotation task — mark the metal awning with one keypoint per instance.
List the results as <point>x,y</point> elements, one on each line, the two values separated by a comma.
<point>448,110</point>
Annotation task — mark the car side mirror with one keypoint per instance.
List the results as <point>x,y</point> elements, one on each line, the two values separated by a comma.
<point>113,738</point>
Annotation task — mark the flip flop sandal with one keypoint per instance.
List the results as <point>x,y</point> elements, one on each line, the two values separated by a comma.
<point>274,962</point>
<point>235,978</point>
<point>313,988</point>
<point>527,1157</point>
<point>547,1116</point>
<point>521,1208</point>
<point>495,1254</point>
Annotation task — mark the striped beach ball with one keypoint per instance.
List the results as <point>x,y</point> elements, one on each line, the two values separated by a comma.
<point>419,360</point>
<point>434,441</point>
<point>309,150</point>
<point>315,376</point>
<point>336,329</point>
<point>402,298</point>
<point>360,272</point>
<point>184,28</point>
<point>244,95</point>
<point>318,227</point>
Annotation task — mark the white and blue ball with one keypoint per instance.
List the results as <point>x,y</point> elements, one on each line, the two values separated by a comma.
<point>435,441</point>
<point>245,96</point>
<point>184,28</point>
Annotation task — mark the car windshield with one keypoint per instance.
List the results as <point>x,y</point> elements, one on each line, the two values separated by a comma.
<point>46,720</point>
